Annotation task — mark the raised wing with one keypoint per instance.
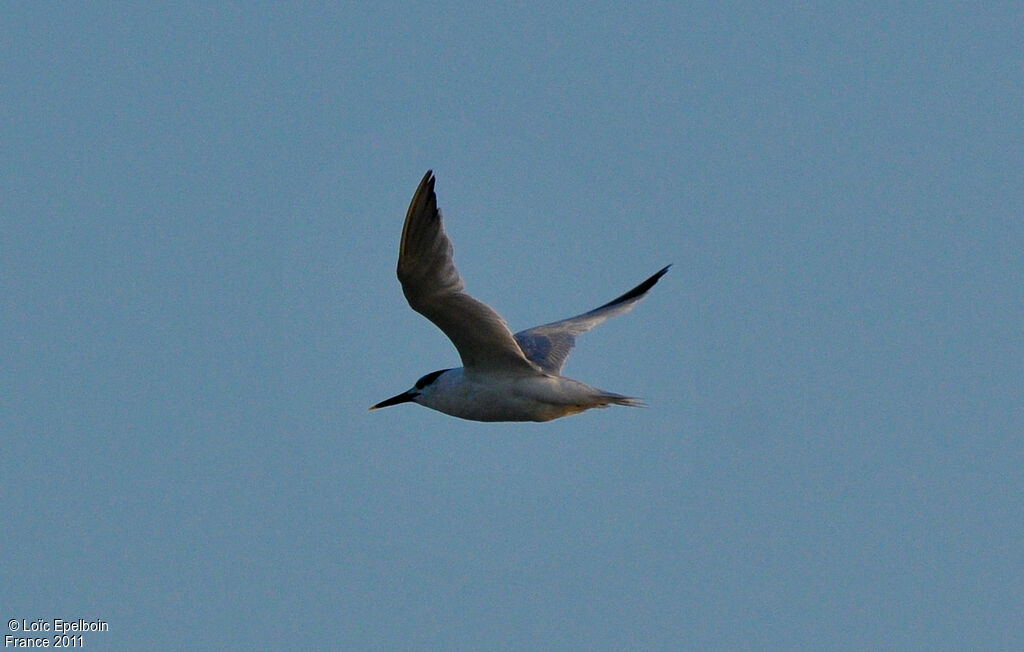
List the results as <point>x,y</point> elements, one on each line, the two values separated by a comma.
<point>434,289</point>
<point>549,345</point>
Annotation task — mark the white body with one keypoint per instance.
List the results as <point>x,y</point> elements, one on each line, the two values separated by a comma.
<point>497,397</point>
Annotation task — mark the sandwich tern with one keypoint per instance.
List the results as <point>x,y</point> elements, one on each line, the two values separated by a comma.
<point>504,377</point>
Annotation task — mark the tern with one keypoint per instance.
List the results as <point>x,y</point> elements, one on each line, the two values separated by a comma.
<point>504,377</point>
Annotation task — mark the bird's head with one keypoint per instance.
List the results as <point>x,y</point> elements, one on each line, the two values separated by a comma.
<point>424,385</point>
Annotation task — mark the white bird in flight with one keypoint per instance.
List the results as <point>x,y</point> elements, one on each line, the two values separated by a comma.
<point>504,377</point>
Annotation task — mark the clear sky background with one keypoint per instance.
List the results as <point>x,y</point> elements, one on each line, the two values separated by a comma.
<point>200,207</point>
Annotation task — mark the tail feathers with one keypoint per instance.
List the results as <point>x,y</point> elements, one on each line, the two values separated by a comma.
<point>608,398</point>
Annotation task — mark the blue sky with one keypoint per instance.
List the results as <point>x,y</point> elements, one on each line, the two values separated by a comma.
<point>199,220</point>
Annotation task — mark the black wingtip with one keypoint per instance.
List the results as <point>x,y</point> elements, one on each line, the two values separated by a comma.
<point>424,198</point>
<point>639,290</point>
<point>424,202</point>
<point>646,285</point>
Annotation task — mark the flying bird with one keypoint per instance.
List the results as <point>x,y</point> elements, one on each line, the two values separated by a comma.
<point>503,377</point>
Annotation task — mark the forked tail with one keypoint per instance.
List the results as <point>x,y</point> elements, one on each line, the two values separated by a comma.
<point>608,398</point>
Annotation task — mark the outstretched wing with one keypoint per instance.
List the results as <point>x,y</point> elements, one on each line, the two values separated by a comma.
<point>549,345</point>
<point>433,288</point>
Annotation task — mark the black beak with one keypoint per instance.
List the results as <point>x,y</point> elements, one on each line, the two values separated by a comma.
<point>404,397</point>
